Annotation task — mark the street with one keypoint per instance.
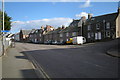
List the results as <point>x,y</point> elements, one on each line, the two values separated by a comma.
<point>73,61</point>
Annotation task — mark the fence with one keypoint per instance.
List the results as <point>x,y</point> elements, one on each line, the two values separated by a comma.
<point>6,42</point>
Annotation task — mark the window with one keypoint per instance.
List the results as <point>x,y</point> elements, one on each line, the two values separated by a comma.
<point>99,35</point>
<point>89,35</point>
<point>67,34</point>
<point>103,21</point>
<point>73,33</point>
<point>108,34</point>
<point>67,39</point>
<point>98,26</point>
<point>40,35</point>
<point>92,34</point>
<point>61,35</point>
<point>107,25</point>
<point>89,27</point>
<point>61,40</point>
<point>96,36</point>
<point>37,31</point>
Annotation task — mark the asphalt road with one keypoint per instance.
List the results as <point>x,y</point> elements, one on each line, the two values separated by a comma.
<point>73,61</point>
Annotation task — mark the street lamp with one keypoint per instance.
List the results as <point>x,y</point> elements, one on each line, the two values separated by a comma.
<point>3,26</point>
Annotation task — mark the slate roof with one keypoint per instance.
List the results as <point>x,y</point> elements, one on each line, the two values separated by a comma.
<point>106,17</point>
<point>75,22</point>
<point>26,32</point>
<point>32,31</point>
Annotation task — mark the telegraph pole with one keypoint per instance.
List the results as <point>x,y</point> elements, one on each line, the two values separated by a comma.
<point>3,27</point>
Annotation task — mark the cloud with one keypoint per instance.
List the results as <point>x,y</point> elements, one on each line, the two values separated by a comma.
<point>81,15</point>
<point>36,24</point>
<point>87,4</point>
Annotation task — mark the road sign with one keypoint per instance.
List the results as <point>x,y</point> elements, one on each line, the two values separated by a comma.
<point>5,31</point>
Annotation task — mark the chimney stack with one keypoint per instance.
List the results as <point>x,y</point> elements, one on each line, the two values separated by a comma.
<point>83,18</point>
<point>119,10</point>
<point>89,15</point>
<point>63,27</point>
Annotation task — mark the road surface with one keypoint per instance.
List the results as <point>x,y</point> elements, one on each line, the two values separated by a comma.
<point>73,61</point>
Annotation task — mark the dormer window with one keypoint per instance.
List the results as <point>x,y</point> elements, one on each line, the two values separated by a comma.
<point>37,31</point>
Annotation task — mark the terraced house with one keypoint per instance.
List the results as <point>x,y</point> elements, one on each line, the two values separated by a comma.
<point>103,27</point>
<point>24,35</point>
<point>97,28</point>
<point>74,29</point>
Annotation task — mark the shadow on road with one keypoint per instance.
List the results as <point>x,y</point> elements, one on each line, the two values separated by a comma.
<point>85,62</point>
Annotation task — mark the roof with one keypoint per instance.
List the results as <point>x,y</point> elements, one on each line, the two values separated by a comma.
<point>32,31</point>
<point>26,32</point>
<point>49,32</point>
<point>57,31</point>
<point>106,17</point>
<point>75,22</point>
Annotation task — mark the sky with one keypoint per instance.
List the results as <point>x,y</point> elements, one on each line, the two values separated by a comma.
<point>32,15</point>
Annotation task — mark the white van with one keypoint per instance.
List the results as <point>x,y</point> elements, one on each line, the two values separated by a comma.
<point>79,40</point>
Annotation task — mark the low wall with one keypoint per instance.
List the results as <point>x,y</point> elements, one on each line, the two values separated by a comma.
<point>6,43</point>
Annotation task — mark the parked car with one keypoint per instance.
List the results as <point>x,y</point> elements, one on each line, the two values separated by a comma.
<point>49,42</point>
<point>54,42</point>
<point>69,41</point>
<point>79,40</point>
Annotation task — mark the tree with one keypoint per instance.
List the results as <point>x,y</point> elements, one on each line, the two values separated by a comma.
<point>7,22</point>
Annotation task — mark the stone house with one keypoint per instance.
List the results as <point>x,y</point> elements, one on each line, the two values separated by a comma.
<point>32,36</point>
<point>103,27</point>
<point>55,35</point>
<point>47,33</point>
<point>24,35</point>
<point>73,30</point>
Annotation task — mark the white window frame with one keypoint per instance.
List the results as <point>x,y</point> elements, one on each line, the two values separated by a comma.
<point>108,25</point>
<point>97,26</point>
<point>92,34</point>
<point>96,36</point>
<point>67,39</point>
<point>74,33</point>
<point>61,34</point>
<point>99,35</point>
<point>89,27</point>
<point>67,34</point>
<point>89,35</point>
<point>61,40</point>
<point>40,35</point>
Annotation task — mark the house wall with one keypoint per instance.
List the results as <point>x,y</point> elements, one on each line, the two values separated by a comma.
<point>118,26</point>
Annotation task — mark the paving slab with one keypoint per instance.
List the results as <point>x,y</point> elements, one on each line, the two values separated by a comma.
<point>17,65</point>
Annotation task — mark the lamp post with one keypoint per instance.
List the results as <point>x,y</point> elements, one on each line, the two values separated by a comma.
<point>3,26</point>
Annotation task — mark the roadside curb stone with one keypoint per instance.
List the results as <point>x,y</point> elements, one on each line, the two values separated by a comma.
<point>113,53</point>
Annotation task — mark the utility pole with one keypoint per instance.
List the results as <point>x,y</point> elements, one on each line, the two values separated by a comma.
<point>3,27</point>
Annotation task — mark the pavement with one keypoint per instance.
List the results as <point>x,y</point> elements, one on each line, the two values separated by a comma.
<point>17,65</point>
<point>0,67</point>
